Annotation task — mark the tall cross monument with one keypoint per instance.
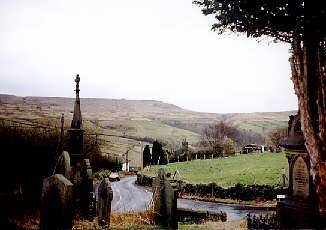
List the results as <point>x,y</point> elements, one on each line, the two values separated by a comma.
<point>77,121</point>
<point>76,133</point>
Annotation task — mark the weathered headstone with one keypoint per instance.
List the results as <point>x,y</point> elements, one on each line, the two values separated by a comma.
<point>56,206</point>
<point>299,208</point>
<point>165,198</point>
<point>86,188</point>
<point>63,165</point>
<point>300,175</point>
<point>105,196</point>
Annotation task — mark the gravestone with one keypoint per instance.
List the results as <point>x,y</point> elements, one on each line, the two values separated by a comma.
<point>86,188</point>
<point>300,175</point>
<point>63,165</point>
<point>165,202</point>
<point>299,209</point>
<point>105,196</point>
<point>56,203</point>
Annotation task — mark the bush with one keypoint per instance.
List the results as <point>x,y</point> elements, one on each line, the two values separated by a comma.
<point>100,175</point>
<point>164,158</point>
<point>29,155</point>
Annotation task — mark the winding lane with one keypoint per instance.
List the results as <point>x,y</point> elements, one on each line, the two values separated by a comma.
<point>128,197</point>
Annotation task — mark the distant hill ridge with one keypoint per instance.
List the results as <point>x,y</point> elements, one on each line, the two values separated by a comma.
<point>101,103</point>
<point>114,104</point>
<point>155,111</point>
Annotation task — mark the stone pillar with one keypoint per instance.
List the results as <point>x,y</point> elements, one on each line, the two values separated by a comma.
<point>165,199</point>
<point>56,203</point>
<point>174,210</point>
<point>283,178</point>
<point>76,147</point>
<point>105,196</point>
<point>141,156</point>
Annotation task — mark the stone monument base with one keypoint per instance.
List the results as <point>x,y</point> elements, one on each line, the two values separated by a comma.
<point>298,215</point>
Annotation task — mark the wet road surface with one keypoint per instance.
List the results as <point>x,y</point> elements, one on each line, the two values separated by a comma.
<point>128,197</point>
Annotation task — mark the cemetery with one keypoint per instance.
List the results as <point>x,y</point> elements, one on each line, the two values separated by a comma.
<point>70,196</point>
<point>175,129</point>
<point>69,193</point>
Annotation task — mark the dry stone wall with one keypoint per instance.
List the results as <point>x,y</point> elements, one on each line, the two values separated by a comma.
<point>237,192</point>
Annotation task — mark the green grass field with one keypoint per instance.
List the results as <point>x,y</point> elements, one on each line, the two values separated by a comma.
<point>255,168</point>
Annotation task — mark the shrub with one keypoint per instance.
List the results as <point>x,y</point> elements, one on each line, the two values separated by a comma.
<point>29,154</point>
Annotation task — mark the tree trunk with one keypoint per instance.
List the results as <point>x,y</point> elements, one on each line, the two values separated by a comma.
<point>309,78</point>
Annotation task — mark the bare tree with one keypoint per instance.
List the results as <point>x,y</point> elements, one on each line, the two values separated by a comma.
<point>219,135</point>
<point>214,135</point>
<point>275,136</point>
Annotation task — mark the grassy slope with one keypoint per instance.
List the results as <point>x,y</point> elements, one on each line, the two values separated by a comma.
<point>152,129</point>
<point>259,122</point>
<point>42,111</point>
<point>134,118</point>
<point>156,112</point>
<point>245,169</point>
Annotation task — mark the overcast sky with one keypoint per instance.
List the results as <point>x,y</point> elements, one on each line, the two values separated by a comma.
<point>145,49</point>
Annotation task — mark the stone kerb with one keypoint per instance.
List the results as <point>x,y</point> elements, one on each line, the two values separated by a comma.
<point>56,203</point>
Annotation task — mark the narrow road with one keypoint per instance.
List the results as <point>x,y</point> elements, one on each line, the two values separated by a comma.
<point>128,197</point>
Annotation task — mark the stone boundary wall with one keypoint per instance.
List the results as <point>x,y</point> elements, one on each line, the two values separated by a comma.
<point>237,192</point>
<point>144,180</point>
<point>197,217</point>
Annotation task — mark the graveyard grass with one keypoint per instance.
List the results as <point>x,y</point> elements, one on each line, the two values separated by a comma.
<point>254,168</point>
